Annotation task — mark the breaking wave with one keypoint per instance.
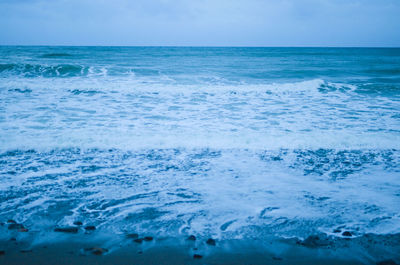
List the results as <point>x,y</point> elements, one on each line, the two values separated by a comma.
<point>32,70</point>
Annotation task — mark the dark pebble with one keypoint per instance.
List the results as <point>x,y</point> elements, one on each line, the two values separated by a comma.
<point>210,242</point>
<point>138,240</point>
<point>25,250</point>
<point>337,231</point>
<point>133,235</point>
<point>15,226</point>
<point>197,256</point>
<point>13,239</point>
<point>276,258</point>
<point>99,251</point>
<point>191,238</point>
<point>66,229</point>
<point>23,230</point>
<point>315,241</point>
<point>347,233</point>
<point>140,252</point>
<point>2,252</point>
<point>11,221</point>
<point>78,223</point>
<point>148,238</point>
<point>90,228</point>
<point>387,262</point>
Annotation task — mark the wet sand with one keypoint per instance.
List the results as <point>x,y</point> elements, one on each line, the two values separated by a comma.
<point>98,249</point>
<point>72,254</point>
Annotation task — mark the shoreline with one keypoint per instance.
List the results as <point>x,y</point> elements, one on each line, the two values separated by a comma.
<point>99,249</point>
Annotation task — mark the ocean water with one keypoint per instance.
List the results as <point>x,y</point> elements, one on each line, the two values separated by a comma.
<point>230,143</point>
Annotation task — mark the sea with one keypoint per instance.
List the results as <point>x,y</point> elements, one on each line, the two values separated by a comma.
<point>221,142</point>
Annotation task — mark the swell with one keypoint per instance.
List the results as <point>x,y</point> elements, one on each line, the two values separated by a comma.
<point>37,70</point>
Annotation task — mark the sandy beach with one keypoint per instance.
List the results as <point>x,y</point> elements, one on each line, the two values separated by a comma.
<point>68,245</point>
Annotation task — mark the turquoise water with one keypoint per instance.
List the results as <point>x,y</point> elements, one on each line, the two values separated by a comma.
<point>222,142</point>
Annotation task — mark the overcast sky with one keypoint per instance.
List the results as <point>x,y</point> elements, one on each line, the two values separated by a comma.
<point>201,22</point>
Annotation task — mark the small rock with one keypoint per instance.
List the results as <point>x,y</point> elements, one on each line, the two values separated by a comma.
<point>78,223</point>
<point>148,238</point>
<point>387,262</point>
<point>197,256</point>
<point>191,238</point>
<point>15,226</point>
<point>25,250</point>
<point>99,251</point>
<point>276,258</point>
<point>90,228</point>
<point>210,242</point>
<point>138,240</point>
<point>315,241</point>
<point>337,231</point>
<point>66,229</point>
<point>140,252</point>
<point>13,239</point>
<point>2,252</point>
<point>133,235</point>
<point>23,230</point>
<point>11,221</point>
<point>347,233</point>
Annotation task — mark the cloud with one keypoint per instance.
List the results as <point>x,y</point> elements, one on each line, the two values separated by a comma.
<point>201,22</point>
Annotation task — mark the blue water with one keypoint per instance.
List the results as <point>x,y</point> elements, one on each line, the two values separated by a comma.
<point>222,142</point>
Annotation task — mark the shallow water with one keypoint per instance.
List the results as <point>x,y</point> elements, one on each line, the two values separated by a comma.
<point>222,142</point>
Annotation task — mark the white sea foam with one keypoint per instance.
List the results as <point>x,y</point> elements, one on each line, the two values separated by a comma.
<point>209,192</point>
<point>206,145</point>
<point>127,113</point>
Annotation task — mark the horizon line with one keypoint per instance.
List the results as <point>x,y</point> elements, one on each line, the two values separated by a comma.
<point>195,46</point>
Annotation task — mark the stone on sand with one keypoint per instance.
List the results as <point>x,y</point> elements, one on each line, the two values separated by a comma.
<point>347,233</point>
<point>99,251</point>
<point>15,226</point>
<point>210,242</point>
<point>315,241</point>
<point>90,228</point>
<point>191,238</point>
<point>67,229</point>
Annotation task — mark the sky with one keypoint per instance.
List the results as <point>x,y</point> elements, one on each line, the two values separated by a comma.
<point>201,22</point>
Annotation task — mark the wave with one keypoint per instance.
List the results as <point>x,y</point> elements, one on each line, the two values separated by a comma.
<point>131,83</point>
<point>32,70</point>
<point>131,113</point>
<point>26,70</point>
